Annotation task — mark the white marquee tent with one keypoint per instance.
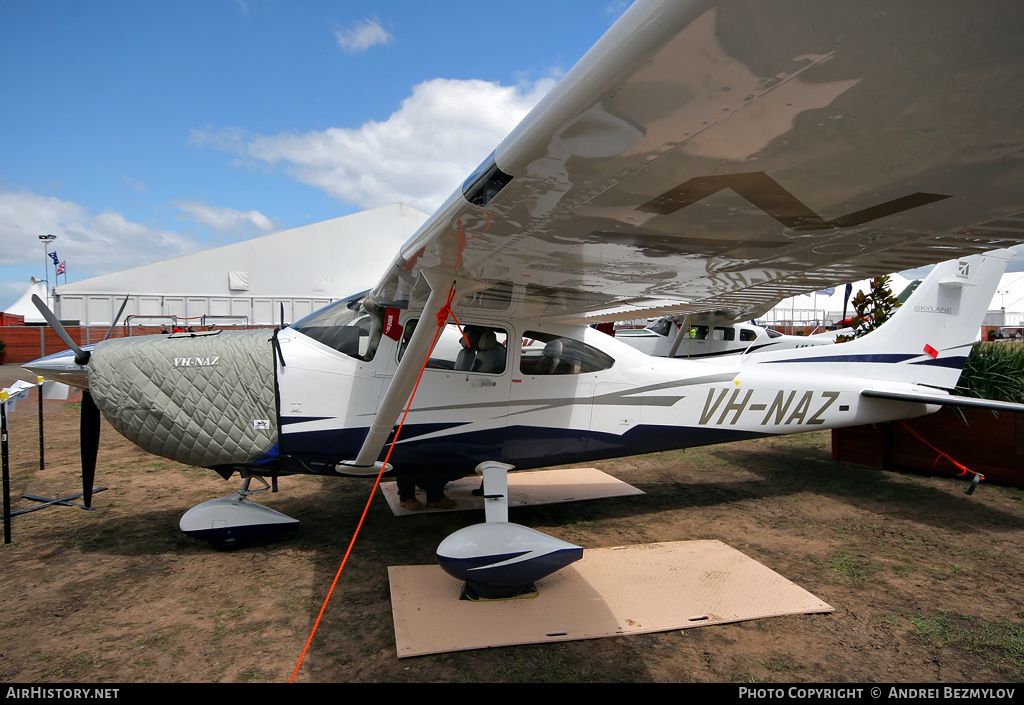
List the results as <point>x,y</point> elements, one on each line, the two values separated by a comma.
<point>25,307</point>
<point>248,282</point>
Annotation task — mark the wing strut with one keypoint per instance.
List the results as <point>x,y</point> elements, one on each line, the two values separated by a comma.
<point>404,381</point>
<point>684,328</point>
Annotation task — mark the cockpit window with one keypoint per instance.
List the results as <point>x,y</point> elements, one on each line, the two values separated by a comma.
<point>352,327</point>
<point>547,354</point>
<point>481,349</point>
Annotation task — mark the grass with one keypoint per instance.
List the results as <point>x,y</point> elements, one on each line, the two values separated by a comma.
<point>851,568</point>
<point>999,643</point>
<point>552,663</point>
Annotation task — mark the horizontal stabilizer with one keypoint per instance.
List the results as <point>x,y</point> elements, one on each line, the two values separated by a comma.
<point>943,400</point>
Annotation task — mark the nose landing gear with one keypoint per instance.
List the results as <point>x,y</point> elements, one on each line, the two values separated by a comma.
<point>235,521</point>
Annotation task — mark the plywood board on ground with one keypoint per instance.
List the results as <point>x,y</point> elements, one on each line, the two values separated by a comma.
<point>611,591</point>
<point>526,489</point>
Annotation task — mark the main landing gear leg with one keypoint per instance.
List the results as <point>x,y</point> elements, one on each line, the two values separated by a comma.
<point>235,521</point>
<point>499,559</point>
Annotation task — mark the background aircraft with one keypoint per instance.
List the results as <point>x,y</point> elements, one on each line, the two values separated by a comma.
<point>674,336</point>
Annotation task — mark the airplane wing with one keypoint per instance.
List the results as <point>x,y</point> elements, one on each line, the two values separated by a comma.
<point>717,157</point>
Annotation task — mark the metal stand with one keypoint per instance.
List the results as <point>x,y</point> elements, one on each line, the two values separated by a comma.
<point>39,381</point>
<point>6,470</point>
<point>50,501</point>
<point>43,501</point>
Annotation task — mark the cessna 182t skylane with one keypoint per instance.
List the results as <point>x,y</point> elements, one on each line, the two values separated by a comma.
<point>679,168</point>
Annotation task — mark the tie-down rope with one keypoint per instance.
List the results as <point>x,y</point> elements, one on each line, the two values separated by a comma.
<point>442,319</point>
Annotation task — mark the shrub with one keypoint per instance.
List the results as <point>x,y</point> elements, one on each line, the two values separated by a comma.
<point>993,371</point>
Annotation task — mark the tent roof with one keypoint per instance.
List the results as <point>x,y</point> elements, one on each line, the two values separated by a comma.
<point>330,259</point>
<point>25,307</point>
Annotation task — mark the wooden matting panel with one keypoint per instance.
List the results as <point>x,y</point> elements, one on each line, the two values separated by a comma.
<point>526,489</point>
<point>611,591</point>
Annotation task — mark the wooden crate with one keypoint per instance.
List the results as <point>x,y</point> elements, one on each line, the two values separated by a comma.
<point>985,442</point>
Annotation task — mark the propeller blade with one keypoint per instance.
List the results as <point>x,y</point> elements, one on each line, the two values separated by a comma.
<point>89,439</point>
<point>117,317</point>
<point>81,356</point>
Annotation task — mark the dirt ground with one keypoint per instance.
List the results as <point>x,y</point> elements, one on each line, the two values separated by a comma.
<point>926,581</point>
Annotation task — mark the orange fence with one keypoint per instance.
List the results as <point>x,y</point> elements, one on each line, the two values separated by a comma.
<point>27,343</point>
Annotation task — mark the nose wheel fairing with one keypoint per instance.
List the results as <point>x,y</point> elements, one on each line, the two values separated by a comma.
<point>235,521</point>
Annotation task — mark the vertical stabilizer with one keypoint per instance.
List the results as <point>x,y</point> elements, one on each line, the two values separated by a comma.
<point>927,340</point>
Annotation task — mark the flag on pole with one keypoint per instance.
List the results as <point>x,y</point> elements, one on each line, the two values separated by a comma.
<point>53,256</point>
<point>61,269</point>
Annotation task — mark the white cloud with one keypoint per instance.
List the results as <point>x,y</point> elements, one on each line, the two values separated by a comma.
<point>362,36</point>
<point>91,244</point>
<point>418,156</point>
<point>615,8</point>
<point>225,220</point>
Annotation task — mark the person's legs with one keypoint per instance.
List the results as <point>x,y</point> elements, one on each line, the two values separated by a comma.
<point>407,492</point>
<point>434,487</point>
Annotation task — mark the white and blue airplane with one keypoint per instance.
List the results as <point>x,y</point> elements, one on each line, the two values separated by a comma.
<point>678,169</point>
<point>682,336</point>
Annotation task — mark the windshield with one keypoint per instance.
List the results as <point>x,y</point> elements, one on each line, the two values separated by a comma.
<point>662,327</point>
<point>348,326</point>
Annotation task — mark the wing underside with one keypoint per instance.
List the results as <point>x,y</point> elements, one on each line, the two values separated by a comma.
<point>716,158</point>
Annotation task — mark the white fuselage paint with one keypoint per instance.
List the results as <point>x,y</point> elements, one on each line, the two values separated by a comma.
<point>323,390</point>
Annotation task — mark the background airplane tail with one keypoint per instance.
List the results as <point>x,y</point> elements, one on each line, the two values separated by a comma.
<point>929,337</point>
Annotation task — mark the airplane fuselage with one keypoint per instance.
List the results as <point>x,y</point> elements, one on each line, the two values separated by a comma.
<point>230,401</point>
<point>532,417</point>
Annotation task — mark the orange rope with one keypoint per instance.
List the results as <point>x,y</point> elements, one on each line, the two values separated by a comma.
<point>963,468</point>
<point>442,318</point>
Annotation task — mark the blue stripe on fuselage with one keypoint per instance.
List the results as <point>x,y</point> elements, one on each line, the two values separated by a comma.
<point>457,454</point>
<point>882,357</point>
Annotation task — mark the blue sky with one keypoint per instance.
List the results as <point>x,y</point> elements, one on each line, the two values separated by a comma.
<point>138,131</point>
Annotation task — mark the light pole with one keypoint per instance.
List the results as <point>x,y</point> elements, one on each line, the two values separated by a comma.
<point>47,239</point>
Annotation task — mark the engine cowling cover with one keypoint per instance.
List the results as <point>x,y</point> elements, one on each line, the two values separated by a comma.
<point>205,400</point>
